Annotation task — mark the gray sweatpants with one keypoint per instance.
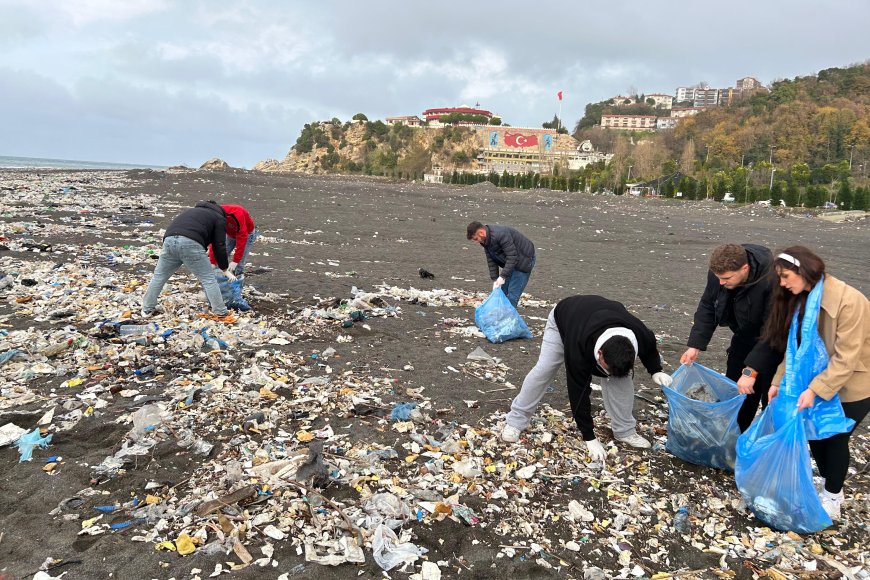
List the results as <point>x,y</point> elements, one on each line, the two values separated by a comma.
<point>618,393</point>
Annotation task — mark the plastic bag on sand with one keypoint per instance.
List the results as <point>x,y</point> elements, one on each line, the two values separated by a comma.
<point>389,552</point>
<point>773,470</point>
<point>146,419</point>
<point>499,320</point>
<point>27,442</point>
<point>702,432</point>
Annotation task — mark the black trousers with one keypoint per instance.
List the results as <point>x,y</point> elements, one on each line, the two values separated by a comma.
<point>832,454</point>
<point>737,353</point>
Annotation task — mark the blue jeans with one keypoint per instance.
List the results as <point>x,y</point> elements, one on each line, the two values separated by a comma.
<point>515,284</point>
<point>231,246</point>
<point>178,250</point>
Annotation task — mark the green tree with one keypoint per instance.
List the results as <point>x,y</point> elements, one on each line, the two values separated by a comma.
<point>844,195</point>
<point>800,173</point>
<point>495,121</point>
<point>776,193</point>
<point>360,117</point>
<point>460,157</point>
<point>862,199</point>
<point>815,196</point>
<point>792,194</point>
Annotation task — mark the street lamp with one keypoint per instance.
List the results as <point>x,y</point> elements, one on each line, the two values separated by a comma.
<point>772,147</point>
<point>772,171</point>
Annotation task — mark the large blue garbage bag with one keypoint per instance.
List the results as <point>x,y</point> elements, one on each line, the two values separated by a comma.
<point>499,320</point>
<point>702,432</point>
<point>232,292</point>
<point>773,470</point>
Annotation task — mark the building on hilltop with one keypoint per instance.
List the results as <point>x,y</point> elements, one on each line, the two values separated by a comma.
<point>706,97</point>
<point>747,84</point>
<point>524,150</point>
<point>661,100</point>
<point>684,94</point>
<point>628,122</point>
<point>409,120</point>
<point>682,112</point>
<point>621,101</point>
<point>433,116</point>
<point>666,123</point>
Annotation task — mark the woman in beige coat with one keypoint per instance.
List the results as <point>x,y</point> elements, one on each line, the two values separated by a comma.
<point>844,325</point>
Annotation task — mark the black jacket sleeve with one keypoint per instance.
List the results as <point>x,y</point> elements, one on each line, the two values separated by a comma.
<point>705,315</point>
<point>510,255</point>
<point>648,351</point>
<point>493,267</point>
<point>219,244</point>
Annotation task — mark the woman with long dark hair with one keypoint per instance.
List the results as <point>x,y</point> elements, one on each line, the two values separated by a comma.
<point>844,326</point>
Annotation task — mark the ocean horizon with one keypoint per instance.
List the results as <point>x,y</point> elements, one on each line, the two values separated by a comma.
<point>11,162</point>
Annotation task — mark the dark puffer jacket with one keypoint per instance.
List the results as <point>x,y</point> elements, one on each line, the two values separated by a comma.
<point>205,223</point>
<point>508,249</point>
<point>744,310</point>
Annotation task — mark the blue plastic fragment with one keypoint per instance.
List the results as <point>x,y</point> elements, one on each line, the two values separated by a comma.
<point>127,524</point>
<point>28,441</point>
<point>106,509</point>
<point>402,411</point>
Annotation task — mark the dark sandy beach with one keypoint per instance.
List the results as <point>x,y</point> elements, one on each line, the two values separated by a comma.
<point>324,236</point>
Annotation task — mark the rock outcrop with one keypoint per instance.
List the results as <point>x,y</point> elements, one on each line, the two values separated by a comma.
<point>215,163</point>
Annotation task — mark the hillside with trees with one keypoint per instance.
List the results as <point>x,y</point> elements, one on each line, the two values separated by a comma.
<point>807,141</point>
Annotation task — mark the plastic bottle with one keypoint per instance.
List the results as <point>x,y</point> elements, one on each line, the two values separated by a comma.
<point>681,521</point>
<point>143,370</point>
<point>128,329</point>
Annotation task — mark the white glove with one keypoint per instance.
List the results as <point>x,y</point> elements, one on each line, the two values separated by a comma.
<point>230,276</point>
<point>596,450</point>
<point>662,379</point>
<point>498,283</point>
<point>233,266</point>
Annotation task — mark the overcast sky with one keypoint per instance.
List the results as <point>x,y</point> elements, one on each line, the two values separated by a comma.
<point>163,82</point>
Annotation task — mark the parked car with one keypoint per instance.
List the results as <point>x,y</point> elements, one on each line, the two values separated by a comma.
<point>729,197</point>
<point>763,202</point>
<point>830,205</point>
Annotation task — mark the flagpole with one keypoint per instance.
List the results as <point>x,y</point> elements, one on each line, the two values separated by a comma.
<point>559,123</point>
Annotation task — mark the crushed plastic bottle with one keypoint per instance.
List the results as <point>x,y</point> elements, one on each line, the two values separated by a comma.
<point>681,521</point>
<point>131,329</point>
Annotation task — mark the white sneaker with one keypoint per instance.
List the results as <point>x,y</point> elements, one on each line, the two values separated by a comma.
<point>635,440</point>
<point>146,314</point>
<point>831,502</point>
<point>510,434</point>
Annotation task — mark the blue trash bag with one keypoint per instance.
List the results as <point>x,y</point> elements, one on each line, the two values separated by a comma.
<point>773,470</point>
<point>701,432</point>
<point>499,320</point>
<point>232,292</point>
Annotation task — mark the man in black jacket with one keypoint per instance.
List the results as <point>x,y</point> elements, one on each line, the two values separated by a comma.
<point>186,241</point>
<point>738,296</point>
<point>508,249</point>
<point>591,336</point>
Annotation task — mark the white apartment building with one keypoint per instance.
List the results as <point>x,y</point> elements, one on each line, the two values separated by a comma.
<point>662,100</point>
<point>628,122</point>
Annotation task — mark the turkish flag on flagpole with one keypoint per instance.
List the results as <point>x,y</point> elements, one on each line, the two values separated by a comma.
<point>559,94</point>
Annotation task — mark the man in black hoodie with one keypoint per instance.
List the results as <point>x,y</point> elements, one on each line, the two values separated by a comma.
<point>737,295</point>
<point>591,336</point>
<point>186,241</point>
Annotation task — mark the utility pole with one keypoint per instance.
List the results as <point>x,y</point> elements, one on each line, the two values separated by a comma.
<point>772,171</point>
<point>851,150</point>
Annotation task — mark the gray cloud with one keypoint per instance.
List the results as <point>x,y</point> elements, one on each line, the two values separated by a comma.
<point>154,82</point>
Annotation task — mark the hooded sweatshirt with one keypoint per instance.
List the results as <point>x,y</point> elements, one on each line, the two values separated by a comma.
<point>206,224</point>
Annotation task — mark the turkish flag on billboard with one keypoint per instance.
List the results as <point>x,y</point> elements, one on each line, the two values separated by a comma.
<point>559,94</point>
<point>520,140</point>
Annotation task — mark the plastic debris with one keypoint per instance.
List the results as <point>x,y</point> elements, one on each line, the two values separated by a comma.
<point>27,442</point>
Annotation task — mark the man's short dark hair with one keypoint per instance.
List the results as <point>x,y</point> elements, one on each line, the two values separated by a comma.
<point>728,258</point>
<point>619,355</point>
<point>472,229</point>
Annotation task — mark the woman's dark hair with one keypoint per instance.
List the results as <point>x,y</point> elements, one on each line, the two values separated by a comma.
<point>618,353</point>
<point>782,302</point>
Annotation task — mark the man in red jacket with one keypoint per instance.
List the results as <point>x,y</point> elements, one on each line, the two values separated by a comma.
<point>240,235</point>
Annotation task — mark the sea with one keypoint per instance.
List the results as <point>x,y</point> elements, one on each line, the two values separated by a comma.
<point>42,163</point>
